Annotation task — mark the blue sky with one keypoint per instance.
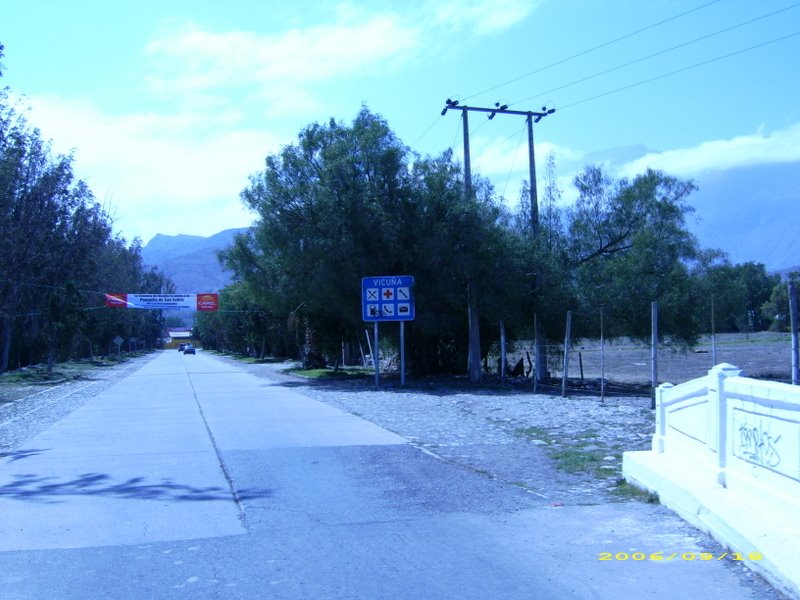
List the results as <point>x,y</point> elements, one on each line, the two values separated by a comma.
<point>171,105</point>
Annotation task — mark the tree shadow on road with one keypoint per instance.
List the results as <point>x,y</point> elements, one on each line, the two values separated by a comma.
<point>47,489</point>
<point>22,454</point>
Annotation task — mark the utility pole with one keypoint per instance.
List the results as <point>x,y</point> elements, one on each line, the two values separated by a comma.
<point>531,117</point>
<point>532,175</point>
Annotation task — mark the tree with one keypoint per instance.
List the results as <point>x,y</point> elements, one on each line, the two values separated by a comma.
<point>346,202</point>
<point>628,246</point>
<point>775,311</point>
<point>737,292</point>
<point>57,252</point>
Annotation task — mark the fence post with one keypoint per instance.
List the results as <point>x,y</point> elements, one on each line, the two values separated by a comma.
<point>654,350</point>
<point>540,352</point>
<point>794,327</point>
<point>602,360</point>
<point>376,356</point>
<point>713,334</point>
<point>502,351</point>
<point>567,336</point>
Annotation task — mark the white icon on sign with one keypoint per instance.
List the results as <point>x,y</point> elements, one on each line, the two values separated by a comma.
<point>403,293</point>
<point>372,310</point>
<point>372,294</point>
<point>388,310</point>
<point>404,309</point>
<point>387,294</point>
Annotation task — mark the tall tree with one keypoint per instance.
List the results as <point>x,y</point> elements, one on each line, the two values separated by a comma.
<point>346,202</point>
<point>629,245</point>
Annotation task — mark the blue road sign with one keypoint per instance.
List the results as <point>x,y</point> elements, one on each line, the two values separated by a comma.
<point>387,298</point>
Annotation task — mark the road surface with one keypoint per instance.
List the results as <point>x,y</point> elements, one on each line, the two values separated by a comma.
<point>191,478</point>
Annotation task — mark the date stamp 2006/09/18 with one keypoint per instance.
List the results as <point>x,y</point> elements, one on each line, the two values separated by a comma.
<point>703,556</point>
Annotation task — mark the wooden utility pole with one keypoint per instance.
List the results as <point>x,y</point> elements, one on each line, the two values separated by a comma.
<point>473,319</point>
<point>532,175</point>
<point>474,337</point>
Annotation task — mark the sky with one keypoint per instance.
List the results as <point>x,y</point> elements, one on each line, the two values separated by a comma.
<point>169,107</point>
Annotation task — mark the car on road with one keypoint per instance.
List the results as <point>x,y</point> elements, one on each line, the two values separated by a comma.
<point>182,347</point>
<point>189,349</point>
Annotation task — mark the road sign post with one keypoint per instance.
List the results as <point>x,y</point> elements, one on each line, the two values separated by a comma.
<point>388,298</point>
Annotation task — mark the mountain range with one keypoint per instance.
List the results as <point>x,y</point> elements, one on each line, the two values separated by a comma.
<point>191,260</point>
<point>752,213</point>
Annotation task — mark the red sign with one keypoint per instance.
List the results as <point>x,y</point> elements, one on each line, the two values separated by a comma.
<point>117,300</point>
<point>207,302</point>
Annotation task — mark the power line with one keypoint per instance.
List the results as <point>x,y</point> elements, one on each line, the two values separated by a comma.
<point>659,53</point>
<point>514,161</point>
<point>485,150</point>
<point>593,49</point>
<point>681,70</point>
<point>455,137</point>
<point>419,139</point>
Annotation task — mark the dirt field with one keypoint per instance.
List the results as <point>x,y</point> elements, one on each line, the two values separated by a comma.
<point>762,355</point>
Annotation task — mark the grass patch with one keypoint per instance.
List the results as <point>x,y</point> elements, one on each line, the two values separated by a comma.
<point>534,433</point>
<point>577,460</point>
<point>39,375</point>
<point>64,371</point>
<point>631,492</point>
<point>322,374</point>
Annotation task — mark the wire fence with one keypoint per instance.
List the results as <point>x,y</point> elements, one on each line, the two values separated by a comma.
<point>623,366</point>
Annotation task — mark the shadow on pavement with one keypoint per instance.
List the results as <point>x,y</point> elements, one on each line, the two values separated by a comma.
<point>47,489</point>
<point>22,454</point>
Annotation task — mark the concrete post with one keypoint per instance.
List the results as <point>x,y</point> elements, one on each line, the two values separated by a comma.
<point>718,417</point>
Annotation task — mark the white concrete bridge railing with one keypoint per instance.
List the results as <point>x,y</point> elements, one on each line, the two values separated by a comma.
<point>726,457</point>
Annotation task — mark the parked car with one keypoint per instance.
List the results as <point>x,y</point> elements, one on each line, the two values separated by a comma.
<point>189,349</point>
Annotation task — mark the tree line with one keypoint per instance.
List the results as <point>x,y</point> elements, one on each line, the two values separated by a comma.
<point>57,257</point>
<point>346,201</point>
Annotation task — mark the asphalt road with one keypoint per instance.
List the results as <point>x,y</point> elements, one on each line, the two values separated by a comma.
<point>194,479</point>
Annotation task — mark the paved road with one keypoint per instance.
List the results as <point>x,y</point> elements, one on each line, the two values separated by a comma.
<point>194,479</point>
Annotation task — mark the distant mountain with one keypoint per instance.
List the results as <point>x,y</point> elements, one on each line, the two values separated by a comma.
<point>752,213</point>
<point>191,260</point>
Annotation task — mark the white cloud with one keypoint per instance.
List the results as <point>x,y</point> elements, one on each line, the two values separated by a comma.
<point>161,173</point>
<point>779,146</point>
<point>484,17</point>
<point>181,168</point>
<point>191,60</point>
<point>281,69</point>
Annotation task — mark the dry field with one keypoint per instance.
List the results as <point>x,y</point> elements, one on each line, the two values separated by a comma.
<point>763,355</point>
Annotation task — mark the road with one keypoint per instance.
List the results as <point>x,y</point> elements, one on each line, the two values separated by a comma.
<point>191,478</point>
